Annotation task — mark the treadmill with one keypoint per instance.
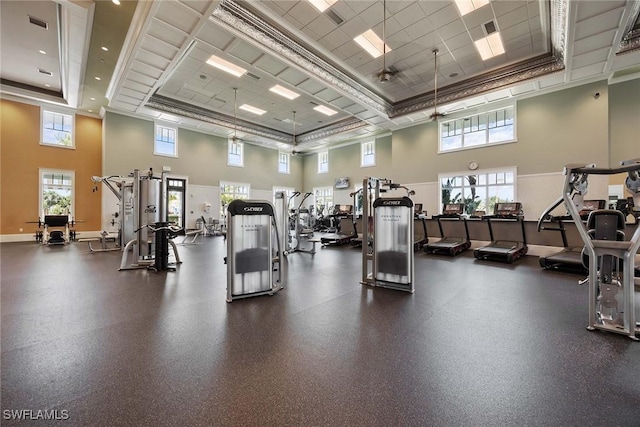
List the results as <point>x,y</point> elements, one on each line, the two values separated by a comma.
<point>568,259</point>
<point>346,219</point>
<point>420,237</point>
<point>449,244</point>
<point>504,250</point>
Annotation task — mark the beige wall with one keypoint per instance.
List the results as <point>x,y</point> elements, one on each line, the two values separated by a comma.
<point>345,162</point>
<point>624,118</point>
<point>21,156</point>
<point>201,157</point>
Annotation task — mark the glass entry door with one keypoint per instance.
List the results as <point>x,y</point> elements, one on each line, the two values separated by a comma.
<point>176,201</point>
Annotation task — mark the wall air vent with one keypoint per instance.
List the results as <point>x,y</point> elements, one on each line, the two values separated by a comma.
<point>253,76</point>
<point>45,72</point>
<point>39,22</point>
<point>334,17</point>
<point>313,103</point>
<point>490,27</point>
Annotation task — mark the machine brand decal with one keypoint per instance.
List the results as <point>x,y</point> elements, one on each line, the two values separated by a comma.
<point>253,209</point>
<point>391,202</point>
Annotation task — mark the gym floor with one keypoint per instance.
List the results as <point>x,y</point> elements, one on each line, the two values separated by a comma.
<point>478,343</point>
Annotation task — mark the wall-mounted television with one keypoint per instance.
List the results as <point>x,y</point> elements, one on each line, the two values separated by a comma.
<point>342,183</point>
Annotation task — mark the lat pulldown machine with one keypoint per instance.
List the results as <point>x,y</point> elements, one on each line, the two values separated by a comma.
<point>611,291</point>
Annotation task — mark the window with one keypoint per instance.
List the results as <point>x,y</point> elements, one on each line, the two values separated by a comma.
<point>235,156</point>
<point>166,141</point>
<point>323,200</point>
<point>491,127</point>
<point>57,129</point>
<point>230,191</point>
<point>323,162</point>
<point>283,162</point>
<point>368,153</point>
<point>56,193</point>
<point>288,191</point>
<point>479,191</point>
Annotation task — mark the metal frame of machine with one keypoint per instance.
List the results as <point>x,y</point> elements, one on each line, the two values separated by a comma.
<point>606,288</point>
<point>255,259</point>
<point>388,259</point>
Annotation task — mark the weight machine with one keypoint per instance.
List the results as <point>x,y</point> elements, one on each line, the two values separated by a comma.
<point>388,259</point>
<point>299,222</point>
<point>255,259</point>
<point>610,259</point>
<point>142,219</point>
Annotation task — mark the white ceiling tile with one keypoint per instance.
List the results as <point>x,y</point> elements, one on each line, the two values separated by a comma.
<point>198,6</point>
<point>460,41</point>
<point>591,9</point>
<point>372,15</point>
<point>598,24</point>
<point>586,72</point>
<point>523,88</point>
<point>159,47</point>
<point>144,80</point>
<point>321,25</point>
<point>292,76</point>
<point>215,36</point>
<point>311,86</point>
<point>327,94</point>
<point>359,6</point>
<point>514,17</point>
<point>177,15</point>
<point>270,65</point>
<point>336,38</point>
<point>245,52</point>
<point>343,11</point>
<point>303,12</point>
<point>342,102</point>
<point>552,80</point>
<point>452,29</point>
<point>146,69</point>
<point>502,7</point>
<point>444,16</point>
<point>594,42</point>
<point>152,60</point>
<point>167,34</point>
<point>354,27</point>
<point>590,58</point>
<point>478,17</point>
<point>410,15</point>
<point>515,31</point>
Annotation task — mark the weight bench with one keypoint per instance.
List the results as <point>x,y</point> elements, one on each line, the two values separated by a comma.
<point>192,235</point>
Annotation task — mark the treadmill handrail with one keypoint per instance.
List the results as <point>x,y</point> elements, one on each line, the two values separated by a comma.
<point>547,212</point>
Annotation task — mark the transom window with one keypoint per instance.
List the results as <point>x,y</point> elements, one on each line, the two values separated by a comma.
<point>235,154</point>
<point>368,153</point>
<point>166,141</point>
<point>57,129</point>
<point>323,162</point>
<point>479,191</point>
<point>283,162</point>
<point>56,192</point>
<point>497,126</point>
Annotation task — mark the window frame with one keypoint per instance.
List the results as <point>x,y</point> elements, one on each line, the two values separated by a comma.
<point>223,184</point>
<point>231,143</point>
<point>41,186</point>
<point>508,169</point>
<point>364,144</point>
<point>288,162</point>
<point>323,155</point>
<point>324,196</point>
<point>484,113</point>
<point>58,111</point>
<point>158,125</point>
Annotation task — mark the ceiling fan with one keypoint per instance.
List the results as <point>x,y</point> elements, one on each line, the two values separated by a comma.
<point>436,114</point>
<point>295,143</point>
<point>385,74</point>
<point>235,138</point>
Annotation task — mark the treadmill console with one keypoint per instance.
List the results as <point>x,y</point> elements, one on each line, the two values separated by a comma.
<point>591,205</point>
<point>453,210</point>
<point>508,210</point>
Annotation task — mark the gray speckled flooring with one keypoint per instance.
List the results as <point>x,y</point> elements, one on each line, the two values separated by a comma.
<point>479,343</point>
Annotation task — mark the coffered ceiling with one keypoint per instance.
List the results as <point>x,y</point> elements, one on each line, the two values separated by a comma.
<point>156,62</point>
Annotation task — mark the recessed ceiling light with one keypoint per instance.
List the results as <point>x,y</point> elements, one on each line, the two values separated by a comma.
<point>252,109</point>
<point>490,46</point>
<point>322,5</point>
<point>116,2</point>
<point>467,6</point>
<point>106,49</point>
<point>91,111</point>
<point>47,85</point>
<point>283,91</point>
<point>42,52</point>
<point>325,110</point>
<point>92,98</point>
<point>97,78</point>
<point>226,66</point>
<point>373,44</point>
